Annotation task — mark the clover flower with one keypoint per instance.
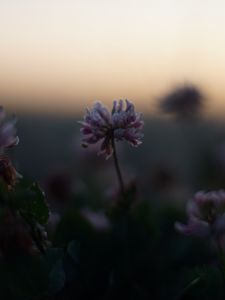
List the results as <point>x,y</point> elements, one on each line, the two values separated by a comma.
<point>206,215</point>
<point>123,123</point>
<point>8,137</point>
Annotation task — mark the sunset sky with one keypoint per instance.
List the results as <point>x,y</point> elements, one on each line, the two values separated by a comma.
<point>60,55</point>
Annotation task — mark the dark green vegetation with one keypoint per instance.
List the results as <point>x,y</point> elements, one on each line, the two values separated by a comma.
<point>101,245</point>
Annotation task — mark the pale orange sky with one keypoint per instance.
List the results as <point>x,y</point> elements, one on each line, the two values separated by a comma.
<point>83,50</point>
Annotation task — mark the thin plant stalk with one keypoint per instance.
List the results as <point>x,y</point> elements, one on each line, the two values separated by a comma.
<point>118,170</point>
<point>184,292</point>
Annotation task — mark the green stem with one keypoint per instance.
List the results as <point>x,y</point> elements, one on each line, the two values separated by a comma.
<point>184,292</point>
<point>118,170</point>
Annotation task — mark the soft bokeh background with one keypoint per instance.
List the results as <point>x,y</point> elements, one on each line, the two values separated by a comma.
<point>58,56</point>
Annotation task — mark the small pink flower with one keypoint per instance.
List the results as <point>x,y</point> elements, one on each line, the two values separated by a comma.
<point>123,123</point>
<point>8,137</point>
<point>206,215</point>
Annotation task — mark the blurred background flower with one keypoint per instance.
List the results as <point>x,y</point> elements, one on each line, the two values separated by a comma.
<point>8,137</point>
<point>184,102</point>
<point>206,215</point>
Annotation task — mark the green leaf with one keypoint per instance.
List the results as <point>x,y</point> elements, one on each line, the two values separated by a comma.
<point>33,205</point>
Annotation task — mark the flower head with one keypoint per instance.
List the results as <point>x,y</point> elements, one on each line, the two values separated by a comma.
<point>8,137</point>
<point>123,123</point>
<point>206,215</point>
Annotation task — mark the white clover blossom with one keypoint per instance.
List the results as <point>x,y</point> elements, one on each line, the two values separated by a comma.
<point>8,137</point>
<point>122,124</point>
<point>206,215</point>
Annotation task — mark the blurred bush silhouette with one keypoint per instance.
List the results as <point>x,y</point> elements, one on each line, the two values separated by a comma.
<point>184,101</point>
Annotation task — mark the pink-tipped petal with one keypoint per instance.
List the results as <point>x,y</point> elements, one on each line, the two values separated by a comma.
<point>195,228</point>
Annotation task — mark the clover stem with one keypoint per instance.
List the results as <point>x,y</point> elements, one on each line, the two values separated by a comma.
<point>117,166</point>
